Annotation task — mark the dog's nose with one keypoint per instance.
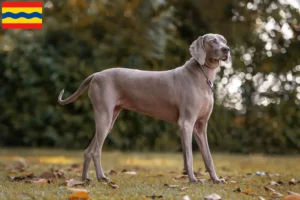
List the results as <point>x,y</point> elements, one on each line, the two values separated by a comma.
<point>225,49</point>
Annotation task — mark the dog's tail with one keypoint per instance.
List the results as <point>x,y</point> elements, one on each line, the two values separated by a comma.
<point>76,94</point>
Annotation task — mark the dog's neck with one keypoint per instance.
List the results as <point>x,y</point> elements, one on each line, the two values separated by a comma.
<point>209,67</point>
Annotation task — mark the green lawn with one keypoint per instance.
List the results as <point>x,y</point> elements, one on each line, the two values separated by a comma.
<point>154,170</point>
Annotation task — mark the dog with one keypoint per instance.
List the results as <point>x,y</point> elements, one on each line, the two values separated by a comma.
<point>183,96</point>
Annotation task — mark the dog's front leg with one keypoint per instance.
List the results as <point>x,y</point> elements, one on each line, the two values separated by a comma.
<point>201,139</point>
<point>186,131</point>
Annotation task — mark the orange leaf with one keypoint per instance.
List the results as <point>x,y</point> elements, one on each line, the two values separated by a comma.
<point>248,191</point>
<point>79,195</point>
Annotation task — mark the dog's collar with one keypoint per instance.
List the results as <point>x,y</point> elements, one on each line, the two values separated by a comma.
<point>208,81</point>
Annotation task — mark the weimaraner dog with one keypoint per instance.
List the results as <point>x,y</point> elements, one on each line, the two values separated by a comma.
<point>183,95</point>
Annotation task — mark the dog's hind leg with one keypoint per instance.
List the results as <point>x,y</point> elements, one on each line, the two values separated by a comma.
<point>103,105</point>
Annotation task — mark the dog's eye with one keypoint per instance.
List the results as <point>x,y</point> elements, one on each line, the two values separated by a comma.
<point>214,41</point>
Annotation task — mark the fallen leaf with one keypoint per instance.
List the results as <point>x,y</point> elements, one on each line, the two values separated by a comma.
<point>186,197</point>
<point>183,188</point>
<point>39,181</point>
<point>180,177</point>
<point>79,195</point>
<point>113,185</point>
<point>269,189</point>
<point>292,197</point>
<point>171,186</point>
<point>15,169</point>
<point>72,182</point>
<point>258,173</point>
<point>75,168</point>
<point>292,182</point>
<point>47,175</point>
<point>274,183</point>
<point>155,196</point>
<point>112,172</point>
<point>77,190</point>
<point>248,191</point>
<point>52,174</point>
<point>213,197</point>
<point>280,182</point>
<point>293,193</point>
<point>232,182</point>
<point>237,190</point>
<point>130,172</point>
<point>277,194</point>
<point>20,178</point>
<point>261,198</point>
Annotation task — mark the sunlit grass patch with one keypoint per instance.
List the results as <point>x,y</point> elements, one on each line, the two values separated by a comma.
<point>154,173</point>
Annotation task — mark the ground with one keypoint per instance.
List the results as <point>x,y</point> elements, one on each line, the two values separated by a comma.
<point>158,175</point>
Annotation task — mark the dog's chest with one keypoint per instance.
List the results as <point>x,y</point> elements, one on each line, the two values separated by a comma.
<point>206,103</point>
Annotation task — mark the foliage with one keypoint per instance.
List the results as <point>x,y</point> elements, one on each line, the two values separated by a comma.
<point>257,99</point>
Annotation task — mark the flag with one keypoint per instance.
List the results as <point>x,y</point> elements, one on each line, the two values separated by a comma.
<point>22,15</point>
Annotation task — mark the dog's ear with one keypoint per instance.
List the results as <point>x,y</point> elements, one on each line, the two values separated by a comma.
<point>197,50</point>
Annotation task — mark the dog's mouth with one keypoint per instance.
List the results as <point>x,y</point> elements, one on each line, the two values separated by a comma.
<point>224,58</point>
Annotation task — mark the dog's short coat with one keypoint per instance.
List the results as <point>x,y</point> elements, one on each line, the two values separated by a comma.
<point>180,96</point>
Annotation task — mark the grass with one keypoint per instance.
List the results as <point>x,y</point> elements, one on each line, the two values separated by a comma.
<point>153,171</point>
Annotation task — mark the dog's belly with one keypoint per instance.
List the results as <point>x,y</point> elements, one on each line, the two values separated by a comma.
<point>162,111</point>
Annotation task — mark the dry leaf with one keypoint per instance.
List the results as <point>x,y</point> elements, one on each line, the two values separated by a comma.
<point>171,186</point>
<point>261,198</point>
<point>20,178</point>
<point>292,197</point>
<point>112,172</point>
<point>274,183</point>
<point>232,182</point>
<point>258,173</point>
<point>72,182</point>
<point>183,188</point>
<point>15,169</point>
<point>155,196</point>
<point>75,168</point>
<point>113,185</point>
<point>77,190</point>
<point>280,182</point>
<point>277,194</point>
<point>237,190</point>
<point>186,197</point>
<point>180,177</point>
<point>293,193</point>
<point>269,189</point>
<point>248,191</point>
<point>130,172</point>
<point>47,175</point>
<point>39,181</point>
<point>213,197</point>
<point>82,195</point>
<point>292,182</point>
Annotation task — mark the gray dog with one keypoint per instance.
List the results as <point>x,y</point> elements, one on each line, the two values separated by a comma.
<point>183,95</point>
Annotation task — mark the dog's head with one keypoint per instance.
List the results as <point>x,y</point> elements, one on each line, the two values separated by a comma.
<point>210,47</point>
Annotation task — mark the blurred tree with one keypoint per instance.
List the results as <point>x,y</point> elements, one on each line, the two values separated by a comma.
<point>257,98</point>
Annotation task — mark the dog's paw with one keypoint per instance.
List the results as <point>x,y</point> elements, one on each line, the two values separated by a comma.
<point>103,179</point>
<point>197,181</point>
<point>222,180</point>
<point>87,180</point>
